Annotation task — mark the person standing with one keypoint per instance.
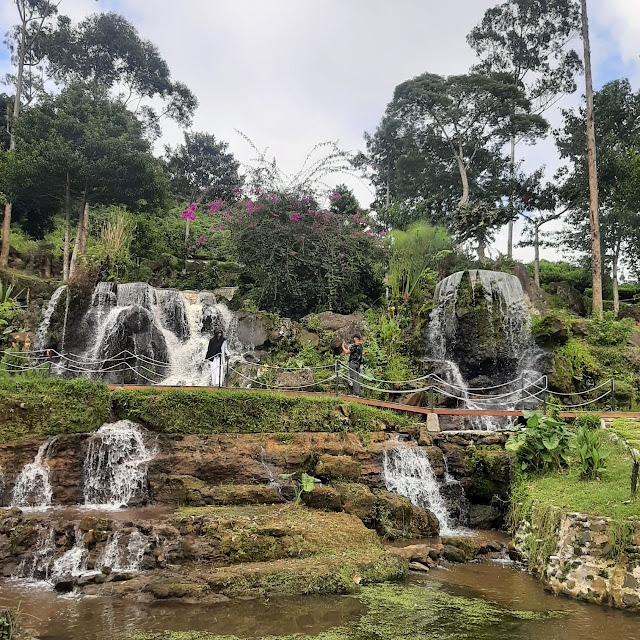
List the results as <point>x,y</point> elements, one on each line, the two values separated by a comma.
<point>356,360</point>
<point>216,355</point>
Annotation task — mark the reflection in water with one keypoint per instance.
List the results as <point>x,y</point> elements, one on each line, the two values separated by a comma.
<point>54,617</point>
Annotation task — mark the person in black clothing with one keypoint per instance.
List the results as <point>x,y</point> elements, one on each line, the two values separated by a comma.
<point>356,360</point>
<point>216,355</point>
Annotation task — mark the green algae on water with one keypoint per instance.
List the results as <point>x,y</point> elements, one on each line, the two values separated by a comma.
<point>416,612</point>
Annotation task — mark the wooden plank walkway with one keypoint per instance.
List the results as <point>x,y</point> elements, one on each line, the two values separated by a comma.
<point>395,406</point>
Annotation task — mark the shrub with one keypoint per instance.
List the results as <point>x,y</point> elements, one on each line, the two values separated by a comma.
<point>607,331</point>
<point>588,421</point>
<point>544,445</point>
<point>589,446</point>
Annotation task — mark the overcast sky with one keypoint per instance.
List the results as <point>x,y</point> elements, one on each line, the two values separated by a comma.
<point>291,73</point>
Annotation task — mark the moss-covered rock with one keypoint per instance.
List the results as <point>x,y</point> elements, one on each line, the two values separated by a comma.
<point>491,474</point>
<point>358,500</point>
<point>397,518</point>
<point>338,468</point>
<point>33,406</point>
<point>206,411</point>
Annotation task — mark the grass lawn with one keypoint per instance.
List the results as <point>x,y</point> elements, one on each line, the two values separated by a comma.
<point>609,497</point>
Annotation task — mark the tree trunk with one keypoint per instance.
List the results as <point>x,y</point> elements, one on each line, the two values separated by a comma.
<point>6,223</point>
<point>67,230</point>
<point>596,258</point>
<point>84,238</point>
<point>536,260</point>
<point>616,293</point>
<point>512,178</point>
<point>481,249</point>
<point>78,243</point>
<point>463,177</point>
<point>186,241</point>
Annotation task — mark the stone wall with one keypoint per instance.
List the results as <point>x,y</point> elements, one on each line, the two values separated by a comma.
<point>593,559</point>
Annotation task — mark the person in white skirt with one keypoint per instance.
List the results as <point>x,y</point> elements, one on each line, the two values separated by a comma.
<point>217,355</point>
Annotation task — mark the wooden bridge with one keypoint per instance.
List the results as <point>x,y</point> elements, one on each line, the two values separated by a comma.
<point>381,404</point>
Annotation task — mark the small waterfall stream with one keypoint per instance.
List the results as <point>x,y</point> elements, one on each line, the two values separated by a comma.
<point>115,467</point>
<point>41,334</point>
<point>32,487</point>
<point>408,472</point>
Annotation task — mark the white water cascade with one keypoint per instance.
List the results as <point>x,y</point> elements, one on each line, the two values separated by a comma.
<point>115,466</point>
<point>167,331</point>
<point>72,562</point>
<point>120,558</point>
<point>408,472</point>
<point>32,487</point>
<point>37,565</point>
<point>41,334</point>
<point>494,344</point>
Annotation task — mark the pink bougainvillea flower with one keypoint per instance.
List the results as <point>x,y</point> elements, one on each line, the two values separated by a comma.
<point>327,216</point>
<point>221,227</point>
<point>216,205</point>
<point>296,217</point>
<point>341,255</point>
<point>335,196</point>
<point>294,253</point>
<point>202,240</point>
<point>250,226</point>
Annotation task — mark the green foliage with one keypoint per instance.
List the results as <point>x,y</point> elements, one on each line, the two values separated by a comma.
<point>417,258</point>
<point>302,483</point>
<point>544,445</point>
<point>33,406</point>
<point>11,315</point>
<point>605,330</point>
<point>544,326</point>
<point>574,363</point>
<point>578,277</point>
<point>589,421</point>
<point>590,449</point>
<point>297,260</point>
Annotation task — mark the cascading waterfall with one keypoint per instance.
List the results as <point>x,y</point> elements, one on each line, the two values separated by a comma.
<point>32,487</point>
<point>408,472</point>
<point>480,330</point>
<point>41,334</point>
<point>167,331</point>
<point>115,466</point>
<point>37,565</point>
<point>120,558</point>
<point>72,562</point>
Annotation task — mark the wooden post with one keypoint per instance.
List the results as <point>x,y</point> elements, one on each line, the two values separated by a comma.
<point>634,477</point>
<point>337,370</point>
<point>613,394</point>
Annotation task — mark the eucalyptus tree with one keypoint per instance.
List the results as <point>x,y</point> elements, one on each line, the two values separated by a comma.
<point>527,41</point>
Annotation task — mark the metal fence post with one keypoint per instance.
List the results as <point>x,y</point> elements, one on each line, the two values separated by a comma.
<point>49,362</point>
<point>226,378</point>
<point>337,370</point>
<point>544,401</point>
<point>613,394</point>
<point>522,391</point>
<point>431,405</point>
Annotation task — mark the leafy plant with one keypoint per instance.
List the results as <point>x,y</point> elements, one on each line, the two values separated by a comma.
<point>302,483</point>
<point>589,446</point>
<point>544,445</point>
<point>607,331</point>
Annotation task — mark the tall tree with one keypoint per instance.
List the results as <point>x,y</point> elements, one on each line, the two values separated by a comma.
<point>616,110</point>
<point>202,164</point>
<point>33,16</point>
<point>527,41</point>
<point>99,144</point>
<point>596,257</point>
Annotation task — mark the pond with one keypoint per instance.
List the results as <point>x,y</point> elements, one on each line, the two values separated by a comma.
<point>477,601</point>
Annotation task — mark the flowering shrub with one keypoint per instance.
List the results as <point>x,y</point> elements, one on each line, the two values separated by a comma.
<point>297,258</point>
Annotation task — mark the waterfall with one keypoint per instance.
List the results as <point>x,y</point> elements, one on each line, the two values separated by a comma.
<point>408,472</point>
<point>480,330</point>
<point>167,331</point>
<point>37,565</point>
<point>72,562</point>
<point>32,487</point>
<point>40,339</point>
<point>115,466</point>
<point>135,549</point>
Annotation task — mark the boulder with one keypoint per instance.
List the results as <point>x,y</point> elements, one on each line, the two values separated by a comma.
<point>323,497</point>
<point>343,327</point>
<point>630,311</point>
<point>295,379</point>
<point>308,338</point>
<point>551,331</point>
<point>580,328</point>
<point>569,295</point>
<point>338,468</point>
<point>453,554</point>
<point>484,516</point>
<point>358,500</point>
<point>536,297</point>
<point>397,518</point>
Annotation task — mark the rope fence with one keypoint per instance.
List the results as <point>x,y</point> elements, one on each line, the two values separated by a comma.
<point>517,394</point>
